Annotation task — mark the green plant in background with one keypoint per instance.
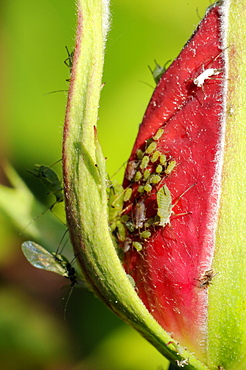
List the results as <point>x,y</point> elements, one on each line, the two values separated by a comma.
<point>86,185</point>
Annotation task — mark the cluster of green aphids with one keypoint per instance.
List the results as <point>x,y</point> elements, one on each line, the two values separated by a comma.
<point>144,194</point>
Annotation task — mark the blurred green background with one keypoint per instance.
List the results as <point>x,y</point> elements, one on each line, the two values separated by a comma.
<point>35,333</point>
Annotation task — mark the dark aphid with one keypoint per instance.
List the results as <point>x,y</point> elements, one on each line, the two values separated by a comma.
<point>42,259</point>
<point>206,278</point>
<point>140,214</point>
<point>50,180</point>
<point>131,170</point>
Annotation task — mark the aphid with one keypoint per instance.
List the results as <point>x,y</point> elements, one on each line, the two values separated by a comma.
<point>164,204</point>
<point>140,215</point>
<point>126,245</point>
<point>50,180</point>
<point>159,168</point>
<point>151,148</point>
<point>42,259</point>
<point>206,278</point>
<point>199,80</point>
<point>154,179</point>
<point>163,159</point>
<point>158,71</point>
<point>69,60</point>
<point>146,174</point>
<point>158,134</point>
<point>155,156</point>
<point>170,167</point>
<point>127,194</point>
<point>138,246</point>
<point>145,234</point>
<point>147,188</point>
<point>131,280</point>
<point>182,363</point>
<point>144,162</point>
<point>131,170</point>
<point>141,189</point>
<point>138,176</point>
<point>139,153</point>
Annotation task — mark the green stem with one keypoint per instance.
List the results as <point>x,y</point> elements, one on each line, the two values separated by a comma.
<point>85,182</point>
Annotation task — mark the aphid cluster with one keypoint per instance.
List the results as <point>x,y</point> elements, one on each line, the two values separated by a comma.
<point>145,203</point>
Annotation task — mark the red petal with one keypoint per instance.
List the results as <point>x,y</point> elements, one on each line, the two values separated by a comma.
<point>168,268</point>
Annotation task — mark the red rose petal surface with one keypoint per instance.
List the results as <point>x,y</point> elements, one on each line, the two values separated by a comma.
<point>168,268</point>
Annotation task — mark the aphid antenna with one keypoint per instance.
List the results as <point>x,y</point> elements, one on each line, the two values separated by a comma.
<point>55,91</point>
<point>40,215</point>
<point>117,171</point>
<point>182,194</point>
<point>60,249</point>
<point>67,300</point>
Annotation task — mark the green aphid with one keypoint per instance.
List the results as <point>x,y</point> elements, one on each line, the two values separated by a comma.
<point>154,179</point>
<point>141,189</point>
<point>146,174</point>
<point>170,167</point>
<point>120,231</point>
<point>163,159</point>
<point>158,71</point>
<point>155,156</point>
<point>147,188</point>
<point>138,176</point>
<point>131,280</point>
<point>127,194</point>
<point>50,180</point>
<point>139,153</point>
<point>144,162</point>
<point>158,134</point>
<point>145,234</point>
<point>164,204</point>
<point>130,226</point>
<point>138,246</point>
<point>159,168</point>
<point>42,259</point>
<point>115,204</point>
<point>151,148</point>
